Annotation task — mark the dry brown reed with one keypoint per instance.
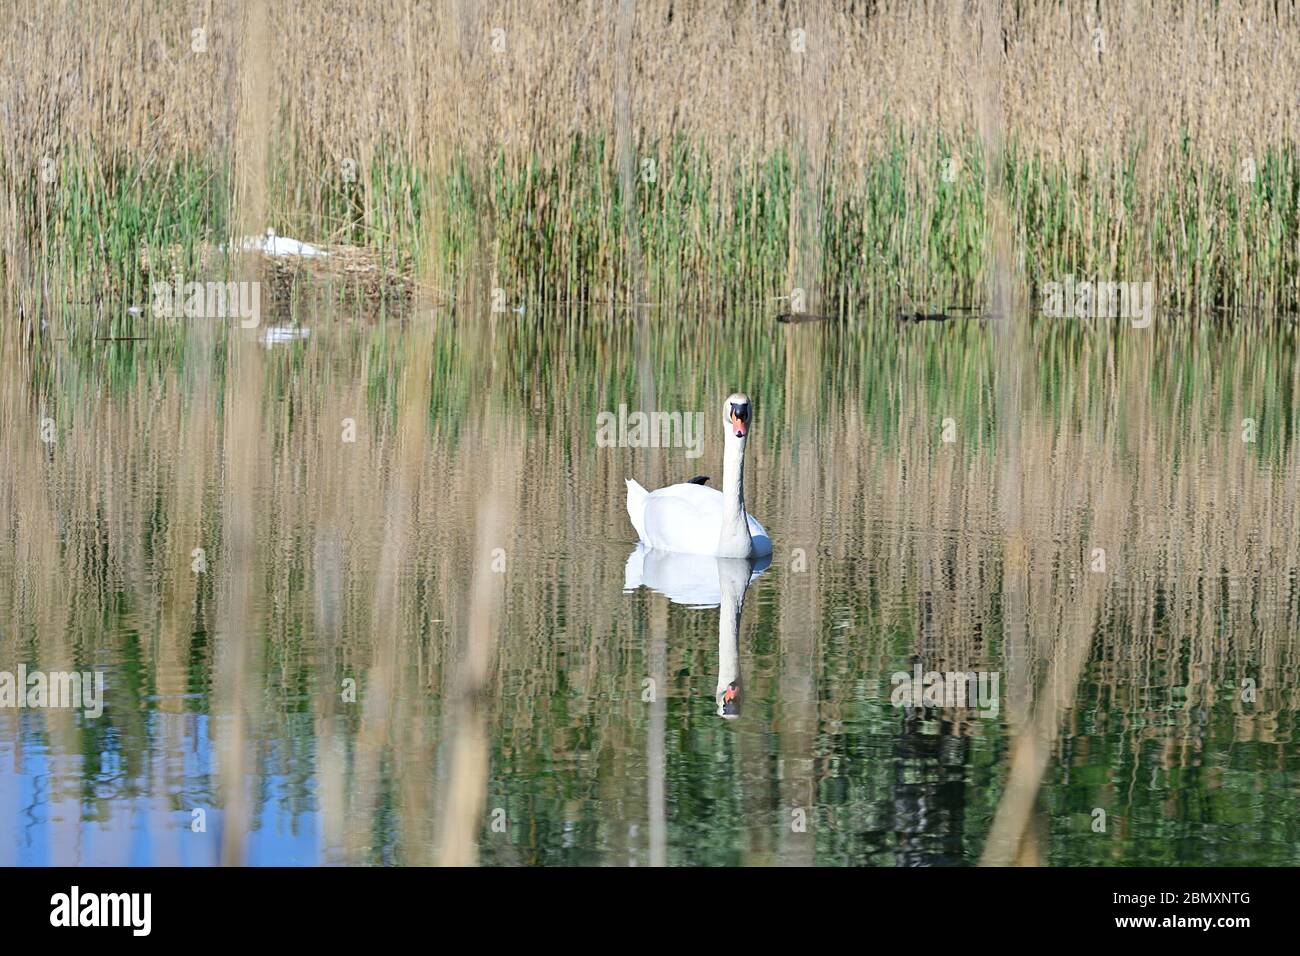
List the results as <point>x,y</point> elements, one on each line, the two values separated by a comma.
<point>1119,119</point>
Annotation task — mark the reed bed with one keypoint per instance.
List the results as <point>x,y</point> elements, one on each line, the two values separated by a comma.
<point>828,147</point>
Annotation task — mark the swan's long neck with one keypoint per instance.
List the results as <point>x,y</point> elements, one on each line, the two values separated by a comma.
<point>734,540</point>
<point>733,578</point>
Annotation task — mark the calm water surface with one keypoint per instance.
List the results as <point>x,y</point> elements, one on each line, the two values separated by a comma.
<point>315,649</point>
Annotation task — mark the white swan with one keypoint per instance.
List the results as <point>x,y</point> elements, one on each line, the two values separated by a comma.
<point>279,246</point>
<point>697,520</point>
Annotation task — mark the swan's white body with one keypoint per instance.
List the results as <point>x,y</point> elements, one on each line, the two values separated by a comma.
<point>694,519</point>
<point>279,246</point>
<point>688,518</point>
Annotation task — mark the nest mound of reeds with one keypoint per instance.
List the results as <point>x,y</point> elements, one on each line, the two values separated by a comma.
<point>362,272</point>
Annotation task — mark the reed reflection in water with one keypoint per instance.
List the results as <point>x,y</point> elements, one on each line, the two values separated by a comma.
<point>440,603</point>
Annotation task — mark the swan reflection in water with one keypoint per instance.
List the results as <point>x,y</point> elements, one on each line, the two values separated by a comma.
<point>703,581</point>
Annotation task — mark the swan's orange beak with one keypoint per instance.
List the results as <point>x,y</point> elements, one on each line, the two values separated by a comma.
<point>729,705</point>
<point>739,423</point>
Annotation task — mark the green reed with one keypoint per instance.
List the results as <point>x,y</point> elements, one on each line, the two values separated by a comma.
<point>905,227</point>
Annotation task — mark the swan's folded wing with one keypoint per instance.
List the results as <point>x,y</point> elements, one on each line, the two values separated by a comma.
<point>636,498</point>
<point>683,518</point>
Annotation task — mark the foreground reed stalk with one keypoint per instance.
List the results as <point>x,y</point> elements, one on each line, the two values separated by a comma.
<point>468,770</point>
